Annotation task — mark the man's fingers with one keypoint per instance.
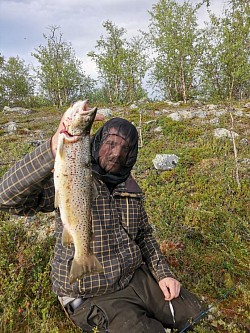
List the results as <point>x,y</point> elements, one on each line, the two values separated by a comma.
<point>167,294</point>
<point>174,289</point>
<point>99,117</point>
<point>170,288</point>
<point>165,290</point>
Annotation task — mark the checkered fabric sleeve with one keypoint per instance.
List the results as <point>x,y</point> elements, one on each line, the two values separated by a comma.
<point>28,185</point>
<point>150,250</point>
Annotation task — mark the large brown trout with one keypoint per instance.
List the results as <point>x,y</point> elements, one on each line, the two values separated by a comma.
<point>74,188</point>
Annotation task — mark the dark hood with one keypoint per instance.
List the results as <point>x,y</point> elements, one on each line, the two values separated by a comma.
<point>128,132</point>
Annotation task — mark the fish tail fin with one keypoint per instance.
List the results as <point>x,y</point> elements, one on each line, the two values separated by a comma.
<point>88,265</point>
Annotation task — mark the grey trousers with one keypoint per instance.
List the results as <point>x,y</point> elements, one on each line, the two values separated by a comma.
<point>139,308</point>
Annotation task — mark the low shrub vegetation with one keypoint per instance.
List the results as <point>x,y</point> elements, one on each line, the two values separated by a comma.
<point>200,216</point>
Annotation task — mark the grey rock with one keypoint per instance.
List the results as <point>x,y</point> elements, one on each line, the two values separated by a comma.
<point>175,116</point>
<point>245,161</point>
<point>224,133</point>
<point>165,161</point>
<point>214,121</point>
<point>165,111</point>
<point>133,106</point>
<point>105,112</point>
<point>186,114</point>
<point>158,113</point>
<point>220,113</point>
<point>158,129</point>
<point>211,107</point>
<point>19,110</point>
<point>239,113</point>
<point>244,141</point>
<point>10,127</point>
<point>174,104</point>
<point>199,114</point>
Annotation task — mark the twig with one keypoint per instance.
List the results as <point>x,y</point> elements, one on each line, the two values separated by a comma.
<point>140,130</point>
<point>235,151</point>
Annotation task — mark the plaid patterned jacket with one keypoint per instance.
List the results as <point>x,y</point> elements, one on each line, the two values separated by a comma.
<point>122,235</point>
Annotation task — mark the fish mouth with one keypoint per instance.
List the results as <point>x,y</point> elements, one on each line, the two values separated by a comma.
<point>69,136</point>
<point>64,131</point>
<point>78,120</point>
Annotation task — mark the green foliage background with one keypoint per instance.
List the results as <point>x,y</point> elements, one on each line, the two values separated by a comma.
<point>176,58</point>
<point>199,214</point>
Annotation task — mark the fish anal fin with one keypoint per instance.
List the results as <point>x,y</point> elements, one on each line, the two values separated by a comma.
<point>87,266</point>
<point>66,237</point>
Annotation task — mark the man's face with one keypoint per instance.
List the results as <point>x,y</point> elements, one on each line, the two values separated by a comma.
<point>113,152</point>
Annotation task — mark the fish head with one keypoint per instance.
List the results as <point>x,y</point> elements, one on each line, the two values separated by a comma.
<point>78,119</point>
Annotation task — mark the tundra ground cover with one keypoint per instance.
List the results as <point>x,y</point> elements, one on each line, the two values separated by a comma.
<point>199,214</point>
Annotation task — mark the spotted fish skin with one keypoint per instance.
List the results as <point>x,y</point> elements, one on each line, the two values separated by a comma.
<point>74,188</point>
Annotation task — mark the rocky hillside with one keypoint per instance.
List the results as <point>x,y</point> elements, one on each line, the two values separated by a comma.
<point>193,167</point>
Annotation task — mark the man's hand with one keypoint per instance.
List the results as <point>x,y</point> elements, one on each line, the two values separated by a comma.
<point>170,288</point>
<point>54,139</point>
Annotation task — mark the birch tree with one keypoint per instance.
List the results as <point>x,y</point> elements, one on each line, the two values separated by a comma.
<point>225,67</point>
<point>121,64</point>
<point>60,73</point>
<point>174,34</point>
<point>17,84</point>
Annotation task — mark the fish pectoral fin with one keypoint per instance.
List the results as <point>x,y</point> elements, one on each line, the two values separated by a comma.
<point>66,237</point>
<point>88,265</point>
<point>60,144</point>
